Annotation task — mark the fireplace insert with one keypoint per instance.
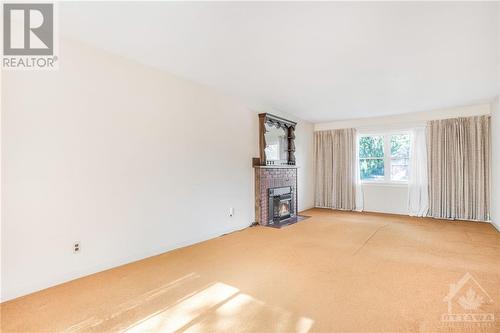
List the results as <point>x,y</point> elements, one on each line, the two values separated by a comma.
<point>281,204</point>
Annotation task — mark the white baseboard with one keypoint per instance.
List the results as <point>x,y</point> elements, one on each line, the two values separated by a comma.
<point>496,226</point>
<point>306,208</point>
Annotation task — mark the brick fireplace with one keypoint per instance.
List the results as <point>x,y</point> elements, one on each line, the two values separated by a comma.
<point>275,194</point>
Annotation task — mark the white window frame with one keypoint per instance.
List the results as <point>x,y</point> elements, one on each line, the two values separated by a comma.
<point>386,136</point>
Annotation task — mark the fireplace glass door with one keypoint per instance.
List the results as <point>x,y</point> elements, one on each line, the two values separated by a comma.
<point>284,208</point>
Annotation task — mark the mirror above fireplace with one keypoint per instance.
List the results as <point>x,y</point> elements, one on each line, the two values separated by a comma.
<point>276,144</point>
<point>276,140</point>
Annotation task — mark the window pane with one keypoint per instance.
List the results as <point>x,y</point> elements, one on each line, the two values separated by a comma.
<point>400,146</point>
<point>399,170</point>
<point>371,146</point>
<point>403,161</point>
<point>372,169</point>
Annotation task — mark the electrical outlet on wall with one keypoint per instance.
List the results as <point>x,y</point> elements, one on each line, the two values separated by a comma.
<point>231,212</point>
<point>76,247</point>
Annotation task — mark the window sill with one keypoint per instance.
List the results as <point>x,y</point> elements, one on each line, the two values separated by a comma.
<point>384,184</point>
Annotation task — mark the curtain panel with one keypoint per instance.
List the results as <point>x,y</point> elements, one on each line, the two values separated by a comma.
<point>459,159</point>
<point>335,169</point>
<point>418,180</point>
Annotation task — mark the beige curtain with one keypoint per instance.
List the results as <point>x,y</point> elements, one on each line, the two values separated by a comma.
<point>459,168</point>
<point>335,169</point>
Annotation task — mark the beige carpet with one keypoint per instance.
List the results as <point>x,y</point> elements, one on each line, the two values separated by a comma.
<point>335,272</point>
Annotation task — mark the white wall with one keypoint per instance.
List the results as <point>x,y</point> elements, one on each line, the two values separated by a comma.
<point>305,160</point>
<point>406,119</point>
<point>495,151</point>
<point>393,199</point>
<point>127,160</point>
<point>386,198</point>
<point>495,183</point>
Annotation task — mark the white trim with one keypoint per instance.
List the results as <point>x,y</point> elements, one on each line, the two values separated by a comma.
<point>384,132</point>
<point>385,184</point>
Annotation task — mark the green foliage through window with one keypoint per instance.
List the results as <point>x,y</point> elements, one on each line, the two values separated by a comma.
<point>371,146</point>
<point>400,157</point>
<point>372,169</point>
<point>373,161</point>
<point>371,153</point>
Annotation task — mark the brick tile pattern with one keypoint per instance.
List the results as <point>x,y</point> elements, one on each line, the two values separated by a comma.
<point>266,178</point>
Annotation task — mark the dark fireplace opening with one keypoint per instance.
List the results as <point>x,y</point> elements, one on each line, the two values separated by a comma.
<point>281,205</point>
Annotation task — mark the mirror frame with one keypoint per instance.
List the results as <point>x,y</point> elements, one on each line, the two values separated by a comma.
<point>287,125</point>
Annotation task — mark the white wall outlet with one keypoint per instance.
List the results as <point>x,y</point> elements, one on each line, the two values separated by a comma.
<point>231,212</point>
<point>76,247</point>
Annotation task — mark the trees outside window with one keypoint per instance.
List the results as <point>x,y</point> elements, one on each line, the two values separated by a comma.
<point>371,157</point>
<point>384,158</point>
<point>400,157</point>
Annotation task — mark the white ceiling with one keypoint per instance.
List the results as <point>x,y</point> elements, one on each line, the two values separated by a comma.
<point>319,61</point>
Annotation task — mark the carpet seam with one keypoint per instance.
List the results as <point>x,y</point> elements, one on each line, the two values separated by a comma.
<point>370,237</point>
